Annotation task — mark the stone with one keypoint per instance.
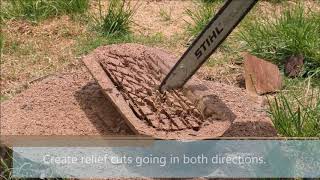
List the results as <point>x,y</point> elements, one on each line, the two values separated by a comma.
<point>293,66</point>
<point>261,77</point>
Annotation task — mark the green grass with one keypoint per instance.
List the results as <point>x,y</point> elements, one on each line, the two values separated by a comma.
<point>296,31</point>
<point>295,112</point>
<point>294,118</point>
<point>200,17</point>
<point>110,27</point>
<point>1,44</point>
<point>165,15</point>
<point>5,163</point>
<point>35,10</point>
<point>114,27</point>
<point>1,32</point>
<point>209,2</point>
<point>3,98</point>
<point>19,48</point>
<point>117,20</point>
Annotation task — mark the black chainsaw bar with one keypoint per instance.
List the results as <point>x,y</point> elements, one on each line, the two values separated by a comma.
<point>218,29</point>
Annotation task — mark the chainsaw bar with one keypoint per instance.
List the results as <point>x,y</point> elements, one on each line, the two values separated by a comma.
<point>218,29</point>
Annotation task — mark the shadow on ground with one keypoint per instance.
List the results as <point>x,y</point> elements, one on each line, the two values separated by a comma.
<point>250,129</point>
<point>103,115</point>
<point>100,111</point>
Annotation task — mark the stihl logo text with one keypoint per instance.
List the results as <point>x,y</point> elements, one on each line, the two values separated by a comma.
<point>208,42</point>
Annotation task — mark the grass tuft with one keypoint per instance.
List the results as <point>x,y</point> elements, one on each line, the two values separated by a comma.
<point>1,45</point>
<point>295,112</point>
<point>200,17</point>
<point>1,33</point>
<point>36,10</point>
<point>295,32</point>
<point>210,2</point>
<point>118,19</point>
<point>5,163</point>
<point>165,15</point>
<point>294,118</point>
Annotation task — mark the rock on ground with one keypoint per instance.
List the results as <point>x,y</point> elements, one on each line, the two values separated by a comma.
<point>261,77</point>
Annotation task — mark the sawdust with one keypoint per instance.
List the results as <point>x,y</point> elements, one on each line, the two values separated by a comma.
<point>65,104</point>
<point>73,104</point>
